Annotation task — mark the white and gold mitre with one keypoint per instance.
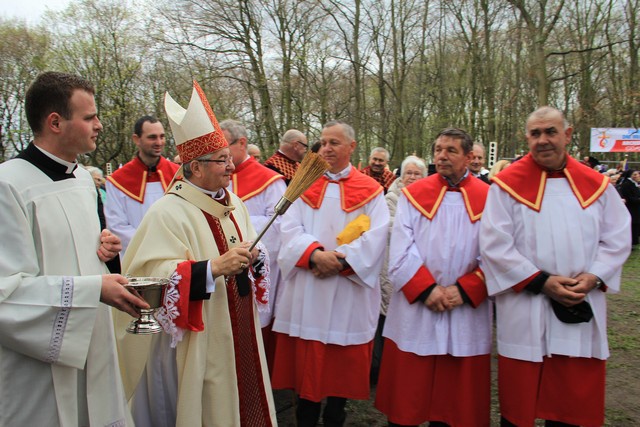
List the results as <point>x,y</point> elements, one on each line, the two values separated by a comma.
<point>195,130</point>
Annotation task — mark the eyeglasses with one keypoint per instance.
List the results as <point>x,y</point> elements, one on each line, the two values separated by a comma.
<point>303,144</point>
<point>228,161</point>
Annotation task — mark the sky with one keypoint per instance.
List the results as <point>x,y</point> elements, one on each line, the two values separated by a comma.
<point>29,10</point>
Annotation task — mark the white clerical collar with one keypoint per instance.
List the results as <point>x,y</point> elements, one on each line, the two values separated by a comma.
<point>69,165</point>
<point>342,174</point>
<point>217,195</point>
<point>245,159</point>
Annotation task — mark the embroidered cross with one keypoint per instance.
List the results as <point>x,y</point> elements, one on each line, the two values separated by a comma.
<point>179,187</point>
<point>232,239</point>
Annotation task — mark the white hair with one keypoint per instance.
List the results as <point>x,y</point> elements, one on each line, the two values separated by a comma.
<point>416,161</point>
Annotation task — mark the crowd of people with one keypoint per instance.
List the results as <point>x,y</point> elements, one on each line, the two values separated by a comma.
<point>368,278</point>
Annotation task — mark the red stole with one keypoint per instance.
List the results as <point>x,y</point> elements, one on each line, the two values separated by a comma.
<point>254,406</point>
<point>426,195</point>
<point>525,181</point>
<point>356,190</point>
<point>251,178</point>
<point>132,178</point>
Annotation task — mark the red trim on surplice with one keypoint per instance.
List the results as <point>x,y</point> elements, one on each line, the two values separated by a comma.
<point>414,389</point>
<point>561,388</point>
<point>132,178</point>
<point>474,285</point>
<point>316,370</point>
<point>519,287</point>
<point>305,258</point>
<point>426,195</point>
<point>251,178</point>
<point>525,181</point>
<point>420,282</point>
<point>356,190</point>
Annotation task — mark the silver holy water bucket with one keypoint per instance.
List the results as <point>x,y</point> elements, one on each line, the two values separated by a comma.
<point>150,289</point>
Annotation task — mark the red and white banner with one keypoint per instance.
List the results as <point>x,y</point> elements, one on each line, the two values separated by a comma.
<point>615,140</point>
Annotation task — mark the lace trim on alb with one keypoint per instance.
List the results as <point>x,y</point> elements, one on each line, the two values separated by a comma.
<point>168,313</point>
<point>260,280</point>
<point>60,323</point>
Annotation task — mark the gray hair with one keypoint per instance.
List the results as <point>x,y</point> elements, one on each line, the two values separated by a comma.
<point>94,170</point>
<point>347,129</point>
<point>481,145</point>
<point>186,167</point>
<point>416,161</point>
<point>236,129</point>
<point>380,150</point>
<point>291,136</point>
<point>544,112</point>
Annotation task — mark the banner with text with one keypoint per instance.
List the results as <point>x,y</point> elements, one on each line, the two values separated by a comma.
<point>615,140</point>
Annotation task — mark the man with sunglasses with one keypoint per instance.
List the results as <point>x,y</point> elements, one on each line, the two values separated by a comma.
<point>285,161</point>
<point>334,238</point>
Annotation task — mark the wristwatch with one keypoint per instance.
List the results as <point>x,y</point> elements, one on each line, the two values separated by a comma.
<point>599,283</point>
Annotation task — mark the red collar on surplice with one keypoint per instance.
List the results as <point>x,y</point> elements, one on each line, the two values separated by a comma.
<point>133,177</point>
<point>525,181</point>
<point>251,178</point>
<point>426,195</point>
<point>356,190</point>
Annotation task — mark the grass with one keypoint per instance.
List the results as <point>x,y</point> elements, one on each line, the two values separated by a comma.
<point>623,367</point>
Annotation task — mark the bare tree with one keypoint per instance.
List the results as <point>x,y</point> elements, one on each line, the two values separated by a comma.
<point>540,19</point>
<point>23,52</point>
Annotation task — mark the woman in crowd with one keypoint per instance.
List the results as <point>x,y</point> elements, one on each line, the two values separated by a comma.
<point>500,164</point>
<point>412,169</point>
<point>630,193</point>
<point>98,179</point>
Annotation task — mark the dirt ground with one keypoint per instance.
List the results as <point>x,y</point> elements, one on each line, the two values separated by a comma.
<point>623,367</point>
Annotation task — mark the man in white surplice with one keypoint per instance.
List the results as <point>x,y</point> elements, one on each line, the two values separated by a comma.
<point>553,239</point>
<point>330,303</point>
<point>438,328</point>
<point>58,364</point>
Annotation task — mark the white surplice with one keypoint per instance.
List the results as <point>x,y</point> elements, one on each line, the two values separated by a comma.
<point>334,310</point>
<point>448,246</point>
<point>124,214</point>
<point>562,239</point>
<point>261,209</point>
